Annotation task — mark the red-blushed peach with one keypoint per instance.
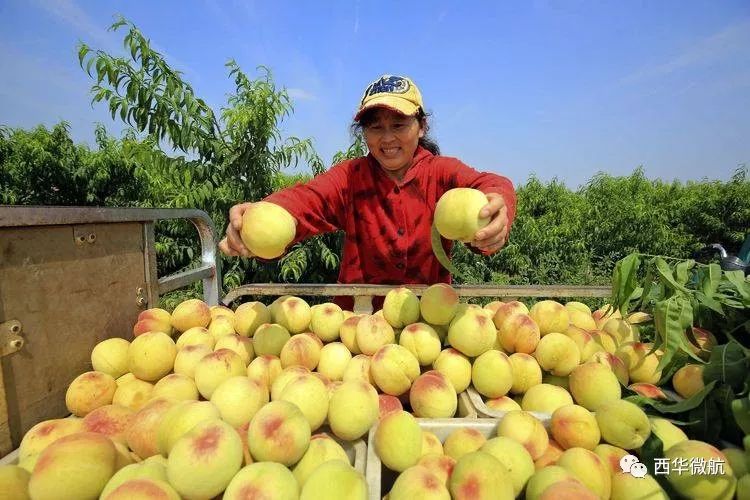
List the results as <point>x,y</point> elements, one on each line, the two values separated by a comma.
<point>141,470</point>
<point>249,316</point>
<point>190,313</point>
<point>293,313</point>
<point>179,419</point>
<point>526,372</point>
<point>493,306</point>
<point>175,386</point>
<point>545,398</point>
<point>398,441</point>
<point>335,480</point>
<point>557,354</point>
<point>604,313</point>
<point>550,456</point>
<point>401,307</point>
<point>605,340</point>
<point>688,380</point>
<point>623,424</point>
<point>462,441</point>
<point>649,391</point>
<point>188,357</point>
<point>238,399</point>
<point>575,426</point>
<point>589,469</point>
<point>567,489</point>
<point>503,403</point>
<point>353,409</point>
<point>581,319</point>
<point>45,433</point>
<point>617,365</point>
<point>506,310</point>
<point>221,327</point>
<point>593,384</point>
<point>491,374</point>
<point>348,333</point>
<point>527,430</point>
<point>431,444</point>
<point>518,333</point>
<point>262,480</point>
<point>322,449</point>
<point>310,395</point>
<point>112,421</point>
<point>219,310</point>
<point>388,404</point>
<point>89,391</point>
<point>422,341</point>
<point>550,316</point>
<point>195,336</point>
<point>472,331</point>
<point>432,396</point>
<point>479,475</point>
<point>719,485</point>
<point>439,464</point>
<point>215,368</point>
<point>287,374</point>
<point>73,467</point>
<point>151,356</point>
<point>302,349</point>
<point>587,346</point>
<point>702,342</point>
<point>622,331</point>
<point>243,346</point>
<point>611,456</point>
<point>325,321</point>
<point>141,436</point>
<point>642,366</point>
<point>153,320</point>
<point>134,394</point>
<point>110,356</point>
<point>373,332</point>
<point>264,369</point>
<point>456,366</point>
<point>358,368</point>
<point>203,462</point>
<point>394,368</point>
<point>143,489</point>
<point>279,432</point>
<point>438,304</point>
<point>418,482</point>
<point>544,478</point>
<point>269,339</point>
<point>514,457</point>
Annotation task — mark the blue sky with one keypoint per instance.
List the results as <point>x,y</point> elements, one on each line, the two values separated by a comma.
<point>555,88</point>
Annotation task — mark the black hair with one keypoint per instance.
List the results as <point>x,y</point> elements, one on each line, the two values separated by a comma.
<point>426,141</point>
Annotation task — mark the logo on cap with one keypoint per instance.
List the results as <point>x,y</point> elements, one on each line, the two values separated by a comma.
<point>387,84</point>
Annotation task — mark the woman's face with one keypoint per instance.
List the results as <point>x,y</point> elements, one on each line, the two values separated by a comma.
<point>392,138</point>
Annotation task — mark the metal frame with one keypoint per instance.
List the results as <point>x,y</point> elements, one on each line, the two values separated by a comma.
<point>208,270</point>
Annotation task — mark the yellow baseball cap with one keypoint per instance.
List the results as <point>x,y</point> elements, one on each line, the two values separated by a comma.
<point>393,92</point>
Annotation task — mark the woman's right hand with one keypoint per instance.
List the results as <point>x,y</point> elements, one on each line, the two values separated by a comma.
<point>232,244</point>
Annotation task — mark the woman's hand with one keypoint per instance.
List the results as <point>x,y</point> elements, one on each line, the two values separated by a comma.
<point>494,235</point>
<point>232,244</point>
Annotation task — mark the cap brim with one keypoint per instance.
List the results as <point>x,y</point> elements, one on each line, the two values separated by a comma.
<point>394,103</point>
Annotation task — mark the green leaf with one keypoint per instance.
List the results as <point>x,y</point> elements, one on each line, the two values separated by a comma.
<point>741,413</point>
<point>711,279</point>
<point>709,302</point>
<point>666,275</point>
<point>625,281</point>
<point>681,406</point>
<point>706,420</point>
<point>681,271</point>
<point>728,364</point>
<point>737,278</point>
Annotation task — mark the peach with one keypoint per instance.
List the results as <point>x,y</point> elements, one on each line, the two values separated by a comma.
<point>688,380</point>
<point>701,342</point>
<point>626,486</point>
<point>279,432</point>
<point>514,457</point>
<point>479,475</point>
<point>238,399</point>
<point>438,304</point>
<point>611,455</point>
<point>142,435</point>
<point>550,456</point>
<point>735,458</point>
<point>322,449</point>
<point>267,229</point>
<point>649,391</point>
<point>45,433</point>
<point>203,462</point>
<point>134,394</point>
<point>264,369</point>
<point>143,489</point>
<point>462,441</point>
<point>73,467</point>
<point>418,482</point>
<point>128,377</point>
<point>574,426</point>
<point>348,333</point>
<point>472,331</point>
<point>373,332</point>
<point>519,333</point>
<point>335,480</point>
<point>326,320</point>
<point>621,331</point>
<point>353,409</point>
<point>568,489</point>
<point>638,317</point>
<point>179,419</point>
<point>720,484</point>
<point>422,341</point>
<point>526,372</point>
<point>557,353</point>
<point>15,482</point>
<point>617,365</point>
<point>506,310</point>
<point>555,380</point>
<point>493,306</point>
<point>527,430</point>
<point>456,366</point>
<point>262,480</point>
<point>286,376</point>
<point>358,369</point>
<point>195,336</point>
<point>642,366</point>
<point>401,307</point>
<point>546,477</point>
<point>585,342</point>
<point>604,313</point>
<point>593,384</point>
<point>220,327</point>
<point>188,357</point>
<point>457,214</point>
<point>605,340</point>
<point>431,445</point>
<point>310,395</point>
<point>503,403</point>
<point>388,404</point>
<point>302,349</point>
<point>334,360</point>
<point>550,316</point>
<point>243,346</point>
<point>577,306</point>
<point>142,470</point>
<point>249,316</point>
<point>439,464</point>
<point>623,424</point>
<point>581,319</point>
<point>667,432</point>
<point>110,420</point>
<point>293,313</point>
<point>398,441</point>
<point>589,469</point>
<point>89,391</point>
<point>269,339</point>
<point>394,368</point>
<point>432,396</point>
<point>153,320</point>
<point>215,368</point>
<point>176,386</point>
<point>190,313</point>
<point>220,310</point>
<point>151,356</point>
<point>545,398</point>
<point>110,356</point>
<point>492,374</point>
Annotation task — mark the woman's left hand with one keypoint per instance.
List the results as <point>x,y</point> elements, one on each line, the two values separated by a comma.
<point>494,235</point>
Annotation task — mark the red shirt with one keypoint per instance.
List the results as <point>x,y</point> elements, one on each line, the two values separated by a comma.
<point>387,222</point>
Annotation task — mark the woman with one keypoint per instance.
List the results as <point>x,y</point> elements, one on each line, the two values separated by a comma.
<point>385,201</point>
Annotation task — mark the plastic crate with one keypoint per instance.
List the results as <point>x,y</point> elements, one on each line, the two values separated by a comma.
<point>483,411</point>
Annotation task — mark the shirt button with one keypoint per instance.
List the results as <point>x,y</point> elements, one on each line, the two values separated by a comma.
<point>400,265</point>
<point>396,190</point>
<point>401,231</point>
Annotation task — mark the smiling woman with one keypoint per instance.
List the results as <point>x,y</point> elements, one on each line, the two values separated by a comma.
<point>385,201</point>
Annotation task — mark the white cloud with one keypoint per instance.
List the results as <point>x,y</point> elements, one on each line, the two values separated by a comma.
<point>71,14</point>
<point>301,94</point>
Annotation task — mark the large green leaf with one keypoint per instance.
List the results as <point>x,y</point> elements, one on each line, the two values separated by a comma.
<point>666,276</point>
<point>625,282</point>
<point>711,277</point>
<point>727,364</point>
